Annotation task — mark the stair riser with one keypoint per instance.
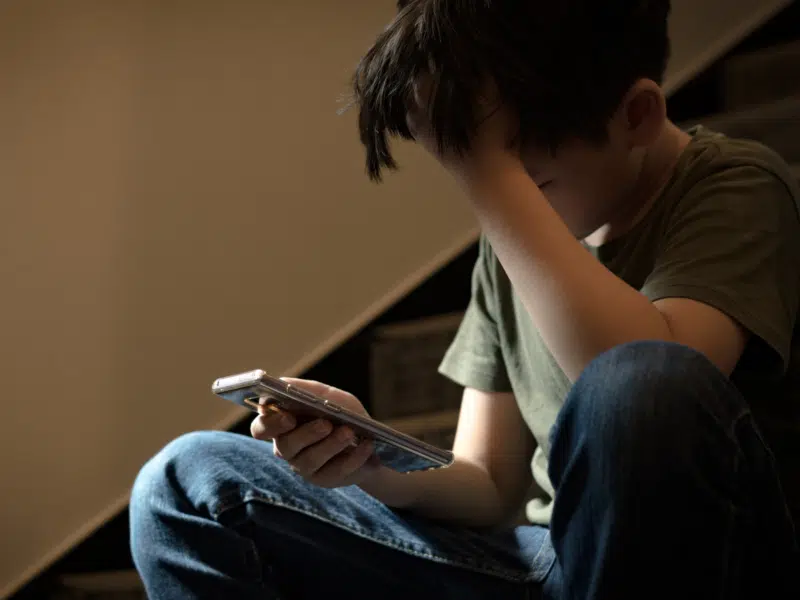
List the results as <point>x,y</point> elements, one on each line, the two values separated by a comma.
<point>762,77</point>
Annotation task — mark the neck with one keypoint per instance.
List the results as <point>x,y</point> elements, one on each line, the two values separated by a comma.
<point>656,169</point>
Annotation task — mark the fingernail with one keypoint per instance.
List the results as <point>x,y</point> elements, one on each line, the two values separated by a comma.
<point>321,426</point>
<point>345,435</point>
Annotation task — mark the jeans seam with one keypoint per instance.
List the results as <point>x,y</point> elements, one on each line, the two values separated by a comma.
<point>224,504</point>
<point>550,566</point>
<point>734,516</point>
<point>730,429</point>
<point>255,559</point>
<point>232,501</point>
<point>748,414</point>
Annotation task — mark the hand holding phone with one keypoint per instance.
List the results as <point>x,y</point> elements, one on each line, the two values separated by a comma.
<point>324,454</point>
<point>306,403</point>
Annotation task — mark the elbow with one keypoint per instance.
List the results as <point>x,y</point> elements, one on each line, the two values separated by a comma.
<point>652,331</point>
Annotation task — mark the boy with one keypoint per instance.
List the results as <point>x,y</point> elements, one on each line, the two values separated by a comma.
<point>630,341</point>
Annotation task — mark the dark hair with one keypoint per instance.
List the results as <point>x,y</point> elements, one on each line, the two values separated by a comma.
<point>561,66</point>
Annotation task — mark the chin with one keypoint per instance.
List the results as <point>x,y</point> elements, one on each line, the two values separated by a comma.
<point>579,228</point>
<point>581,218</point>
<point>583,234</point>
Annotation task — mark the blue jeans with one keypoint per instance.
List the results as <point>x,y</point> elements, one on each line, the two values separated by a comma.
<point>664,489</point>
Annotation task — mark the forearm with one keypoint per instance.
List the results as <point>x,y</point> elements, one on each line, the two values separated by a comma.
<point>579,307</point>
<point>463,493</point>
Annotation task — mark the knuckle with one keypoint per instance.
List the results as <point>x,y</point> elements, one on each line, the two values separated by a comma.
<point>300,472</point>
<point>357,460</point>
<point>326,478</point>
<point>298,464</point>
<point>316,460</point>
<point>317,480</point>
<point>265,425</point>
<point>348,469</point>
<point>338,443</point>
<point>315,427</point>
<point>306,463</point>
<point>280,451</point>
<point>298,439</point>
<point>284,445</point>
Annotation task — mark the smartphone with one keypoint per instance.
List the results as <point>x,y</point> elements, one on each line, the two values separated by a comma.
<point>396,450</point>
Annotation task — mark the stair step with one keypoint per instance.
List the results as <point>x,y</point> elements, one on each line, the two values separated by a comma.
<point>419,425</point>
<point>112,585</point>
<point>762,76</point>
<point>776,125</point>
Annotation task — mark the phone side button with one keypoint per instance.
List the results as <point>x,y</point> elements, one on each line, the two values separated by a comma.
<point>332,406</point>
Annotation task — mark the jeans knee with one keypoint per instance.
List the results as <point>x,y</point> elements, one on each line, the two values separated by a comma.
<point>170,466</point>
<point>648,394</point>
<point>180,478</point>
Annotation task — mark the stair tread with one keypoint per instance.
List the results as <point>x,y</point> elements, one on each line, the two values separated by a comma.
<point>774,124</point>
<point>779,110</point>
<point>778,52</point>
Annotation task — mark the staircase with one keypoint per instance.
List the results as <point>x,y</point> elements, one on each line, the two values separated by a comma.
<point>755,94</point>
<point>774,123</point>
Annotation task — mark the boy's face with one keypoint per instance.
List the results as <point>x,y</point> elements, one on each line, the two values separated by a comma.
<point>584,182</point>
<point>589,183</point>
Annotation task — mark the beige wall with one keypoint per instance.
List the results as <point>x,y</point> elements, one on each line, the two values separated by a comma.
<point>179,201</point>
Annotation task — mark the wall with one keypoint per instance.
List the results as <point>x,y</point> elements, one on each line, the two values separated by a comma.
<point>181,201</point>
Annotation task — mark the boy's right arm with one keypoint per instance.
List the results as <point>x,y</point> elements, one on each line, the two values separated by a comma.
<point>491,474</point>
<point>484,487</point>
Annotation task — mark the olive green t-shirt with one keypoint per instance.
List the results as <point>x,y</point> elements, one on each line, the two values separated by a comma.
<point>725,231</point>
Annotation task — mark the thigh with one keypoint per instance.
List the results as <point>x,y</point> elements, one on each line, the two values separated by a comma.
<point>311,540</point>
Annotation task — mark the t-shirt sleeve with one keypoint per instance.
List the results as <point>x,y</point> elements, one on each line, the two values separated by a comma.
<point>475,358</point>
<point>732,242</point>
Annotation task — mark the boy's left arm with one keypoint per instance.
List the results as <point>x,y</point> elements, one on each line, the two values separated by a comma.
<point>719,279</point>
<point>582,309</point>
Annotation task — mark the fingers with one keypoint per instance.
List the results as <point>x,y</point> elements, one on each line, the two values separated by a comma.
<point>349,468</point>
<point>313,458</point>
<point>324,455</point>
<point>295,441</point>
<point>271,423</point>
<point>329,459</point>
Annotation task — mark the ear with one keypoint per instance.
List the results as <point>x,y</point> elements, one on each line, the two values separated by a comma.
<point>642,113</point>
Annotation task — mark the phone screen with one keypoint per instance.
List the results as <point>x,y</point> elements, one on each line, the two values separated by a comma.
<point>401,460</point>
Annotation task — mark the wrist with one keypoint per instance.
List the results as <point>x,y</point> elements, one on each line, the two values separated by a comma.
<point>390,487</point>
<point>492,168</point>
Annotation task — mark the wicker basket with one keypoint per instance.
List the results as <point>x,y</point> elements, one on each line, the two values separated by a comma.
<point>404,358</point>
